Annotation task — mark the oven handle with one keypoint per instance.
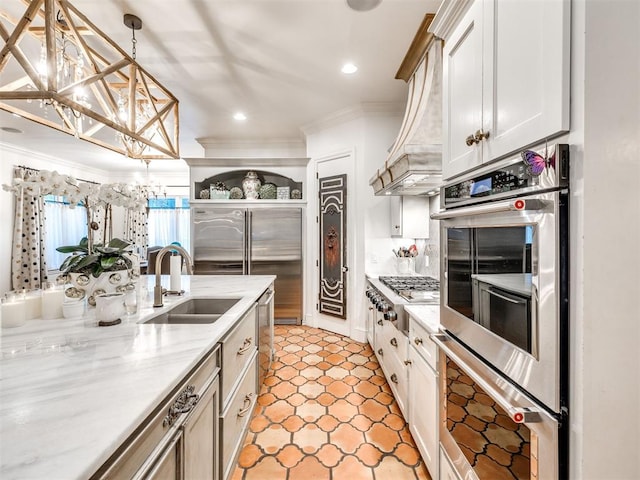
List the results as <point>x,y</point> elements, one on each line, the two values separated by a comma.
<point>516,300</point>
<point>518,205</point>
<point>518,414</point>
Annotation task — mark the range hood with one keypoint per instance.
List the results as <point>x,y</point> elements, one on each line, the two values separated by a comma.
<point>414,164</point>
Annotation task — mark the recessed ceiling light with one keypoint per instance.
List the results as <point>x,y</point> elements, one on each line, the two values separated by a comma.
<point>349,68</point>
<point>363,5</point>
<point>239,116</point>
<point>11,130</point>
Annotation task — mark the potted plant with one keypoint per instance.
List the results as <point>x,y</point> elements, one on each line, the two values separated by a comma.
<point>92,270</point>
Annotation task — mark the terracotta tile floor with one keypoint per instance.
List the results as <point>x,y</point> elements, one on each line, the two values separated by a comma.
<point>326,412</point>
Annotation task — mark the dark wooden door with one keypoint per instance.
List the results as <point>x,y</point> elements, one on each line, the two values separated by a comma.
<point>333,246</point>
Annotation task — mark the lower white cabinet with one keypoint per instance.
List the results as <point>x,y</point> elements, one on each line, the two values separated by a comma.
<point>200,437</point>
<point>179,440</point>
<point>446,470</point>
<point>423,409</point>
<point>424,406</point>
<point>234,419</point>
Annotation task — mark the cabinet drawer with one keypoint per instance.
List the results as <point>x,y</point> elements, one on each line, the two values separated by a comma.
<point>140,452</point>
<point>237,349</point>
<point>420,340</point>
<point>235,418</point>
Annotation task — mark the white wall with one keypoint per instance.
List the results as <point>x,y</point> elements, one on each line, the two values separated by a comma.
<point>605,227</point>
<point>368,134</point>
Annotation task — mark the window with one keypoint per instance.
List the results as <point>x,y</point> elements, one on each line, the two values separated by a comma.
<point>169,221</point>
<point>64,226</point>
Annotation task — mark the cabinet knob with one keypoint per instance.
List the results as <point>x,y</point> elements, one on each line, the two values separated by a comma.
<point>480,135</point>
<point>380,322</point>
<point>408,362</point>
<point>470,140</point>
<point>394,378</point>
<point>380,352</point>
<point>417,340</point>
<point>393,342</point>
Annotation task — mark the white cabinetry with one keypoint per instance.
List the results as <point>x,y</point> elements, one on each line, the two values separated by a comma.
<point>179,440</point>
<point>391,352</point>
<point>423,394</point>
<point>503,88</point>
<point>409,216</point>
<point>446,470</point>
<point>239,388</point>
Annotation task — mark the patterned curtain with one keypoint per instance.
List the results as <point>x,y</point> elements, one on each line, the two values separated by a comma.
<point>136,230</point>
<point>28,259</point>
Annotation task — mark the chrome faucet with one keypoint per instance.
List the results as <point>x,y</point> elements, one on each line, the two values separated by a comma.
<point>157,290</point>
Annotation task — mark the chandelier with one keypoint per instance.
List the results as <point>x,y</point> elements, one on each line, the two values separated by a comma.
<point>61,71</point>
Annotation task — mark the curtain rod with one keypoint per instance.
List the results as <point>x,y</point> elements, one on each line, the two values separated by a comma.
<point>36,170</point>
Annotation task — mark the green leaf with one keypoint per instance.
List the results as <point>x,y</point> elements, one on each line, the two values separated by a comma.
<point>70,262</point>
<point>107,262</point>
<point>118,243</point>
<point>71,249</point>
<point>87,260</point>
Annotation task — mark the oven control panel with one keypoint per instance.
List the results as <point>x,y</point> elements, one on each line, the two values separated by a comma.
<point>530,171</point>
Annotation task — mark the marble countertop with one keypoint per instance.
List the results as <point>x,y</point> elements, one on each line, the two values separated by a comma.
<point>427,315</point>
<point>72,392</point>
<point>512,282</point>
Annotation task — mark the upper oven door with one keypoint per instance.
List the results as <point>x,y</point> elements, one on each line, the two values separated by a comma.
<point>503,269</point>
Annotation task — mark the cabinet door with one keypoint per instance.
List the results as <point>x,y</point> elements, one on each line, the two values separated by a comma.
<point>200,437</point>
<point>462,93</point>
<point>168,464</point>
<point>525,73</point>
<point>395,203</point>
<point>446,470</point>
<point>423,409</point>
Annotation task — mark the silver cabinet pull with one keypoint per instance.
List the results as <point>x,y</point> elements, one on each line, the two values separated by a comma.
<point>394,378</point>
<point>246,346</point>
<point>380,352</point>
<point>246,406</point>
<point>417,340</point>
<point>408,362</point>
<point>470,140</point>
<point>393,342</point>
<point>183,404</point>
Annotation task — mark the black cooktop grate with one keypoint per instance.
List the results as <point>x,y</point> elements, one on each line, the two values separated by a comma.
<point>422,284</point>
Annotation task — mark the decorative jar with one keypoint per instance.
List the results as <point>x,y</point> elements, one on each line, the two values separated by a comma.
<point>251,186</point>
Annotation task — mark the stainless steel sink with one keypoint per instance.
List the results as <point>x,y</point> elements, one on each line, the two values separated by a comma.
<point>196,311</point>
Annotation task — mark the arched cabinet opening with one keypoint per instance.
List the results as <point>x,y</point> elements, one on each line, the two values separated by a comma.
<point>248,184</point>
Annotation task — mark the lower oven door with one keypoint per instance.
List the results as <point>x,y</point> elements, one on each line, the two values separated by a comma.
<point>489,429</point>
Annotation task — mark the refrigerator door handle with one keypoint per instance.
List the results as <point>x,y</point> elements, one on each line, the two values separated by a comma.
<point>245,261</point>
<point>249,234</point>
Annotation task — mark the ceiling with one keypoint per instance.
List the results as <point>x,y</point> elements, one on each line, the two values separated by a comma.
<point>278,61</point>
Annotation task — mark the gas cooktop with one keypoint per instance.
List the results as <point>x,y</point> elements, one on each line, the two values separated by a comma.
<point>413,288</point>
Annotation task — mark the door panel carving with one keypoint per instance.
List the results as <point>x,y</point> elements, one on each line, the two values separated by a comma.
<point>333,246</point>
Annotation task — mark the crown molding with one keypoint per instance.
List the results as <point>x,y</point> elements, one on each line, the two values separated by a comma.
<point>57,161</point>
<point>447,17</point>
<point>253,147</point>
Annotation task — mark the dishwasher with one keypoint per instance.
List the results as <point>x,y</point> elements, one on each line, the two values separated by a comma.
<point>265,334</point>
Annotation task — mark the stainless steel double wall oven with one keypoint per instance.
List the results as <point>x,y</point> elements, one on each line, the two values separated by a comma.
<point>504,311</point>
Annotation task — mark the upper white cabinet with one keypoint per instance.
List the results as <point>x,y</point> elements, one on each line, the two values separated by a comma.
<point>505,77</point>
<point>409,216</point>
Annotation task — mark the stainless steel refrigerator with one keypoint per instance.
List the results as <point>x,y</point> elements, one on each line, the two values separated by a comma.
<point>253,241</point>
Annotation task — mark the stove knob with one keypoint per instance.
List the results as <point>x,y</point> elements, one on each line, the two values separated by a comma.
<point>391,316</point>
<point>374,299</point>
<point>383,306</point>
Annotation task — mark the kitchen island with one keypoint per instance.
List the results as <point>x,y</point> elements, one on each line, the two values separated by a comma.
<point>71,393</point>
